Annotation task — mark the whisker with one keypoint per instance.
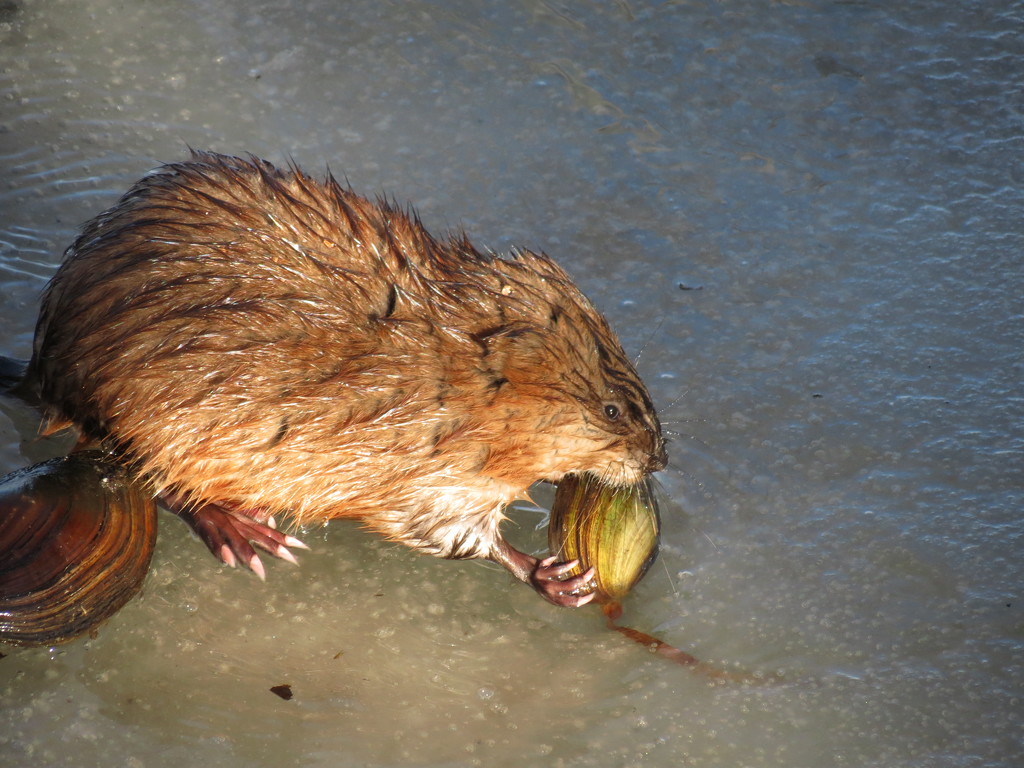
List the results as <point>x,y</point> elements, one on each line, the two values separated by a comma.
<point>683,394</point>
<point>691,480</point>
<point>643,347</point>
<point>718,550</point>
<point>673,436</point>
<point>686,421</point>
<point>668,574</point>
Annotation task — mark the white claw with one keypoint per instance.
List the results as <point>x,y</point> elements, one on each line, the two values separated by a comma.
<point>227,556</point>
<point>256,565</point>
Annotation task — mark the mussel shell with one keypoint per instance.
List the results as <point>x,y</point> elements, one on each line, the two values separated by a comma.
<point>76,538</point>
<point>614,529</point>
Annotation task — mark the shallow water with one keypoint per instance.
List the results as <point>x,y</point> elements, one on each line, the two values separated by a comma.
<point>804,217</point>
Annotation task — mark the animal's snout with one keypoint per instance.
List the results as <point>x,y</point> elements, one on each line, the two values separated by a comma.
<point>658,459</point>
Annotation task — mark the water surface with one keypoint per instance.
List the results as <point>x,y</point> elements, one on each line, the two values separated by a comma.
<point>803,217</point>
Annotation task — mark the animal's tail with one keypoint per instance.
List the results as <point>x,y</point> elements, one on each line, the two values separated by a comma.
<point>12,372</point>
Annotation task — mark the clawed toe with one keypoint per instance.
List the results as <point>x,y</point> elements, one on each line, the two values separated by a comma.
<point>231,536</point>
<point>571,592</point>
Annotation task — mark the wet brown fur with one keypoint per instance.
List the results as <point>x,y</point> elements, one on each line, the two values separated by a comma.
<point>252,337</point>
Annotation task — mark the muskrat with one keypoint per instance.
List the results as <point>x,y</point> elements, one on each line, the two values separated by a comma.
<point>257,345</point>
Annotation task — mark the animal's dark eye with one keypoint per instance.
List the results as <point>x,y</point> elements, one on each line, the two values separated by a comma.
<point>612,412</point>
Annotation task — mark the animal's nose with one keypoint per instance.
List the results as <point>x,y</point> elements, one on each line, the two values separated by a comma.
<point>658,460</point>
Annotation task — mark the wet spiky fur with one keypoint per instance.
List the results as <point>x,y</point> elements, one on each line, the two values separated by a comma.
<point>251,337</point>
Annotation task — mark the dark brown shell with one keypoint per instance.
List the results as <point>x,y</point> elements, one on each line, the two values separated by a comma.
<point>614,529</point>
<point>76,539</point>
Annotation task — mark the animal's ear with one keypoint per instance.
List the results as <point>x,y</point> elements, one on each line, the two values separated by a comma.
<point>517,352</point>
<point>503,333</point>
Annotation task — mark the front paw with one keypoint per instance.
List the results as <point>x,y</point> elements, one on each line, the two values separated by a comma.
<point>548,578</point>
